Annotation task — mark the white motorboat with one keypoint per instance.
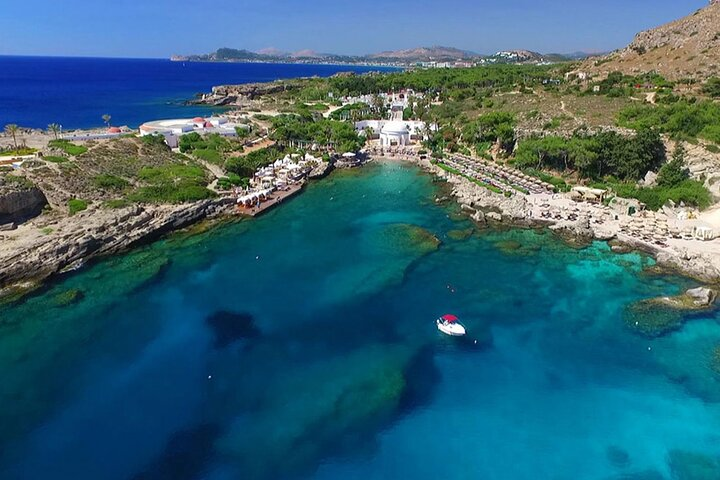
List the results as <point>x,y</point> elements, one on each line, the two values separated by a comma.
<point>449,325</point>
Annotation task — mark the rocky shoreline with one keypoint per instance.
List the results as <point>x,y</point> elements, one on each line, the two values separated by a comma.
<point>489,208</point>
<point>27,260</point>
<point>30,257</point>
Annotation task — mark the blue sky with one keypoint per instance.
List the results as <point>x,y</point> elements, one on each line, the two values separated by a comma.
<point>159,28</point>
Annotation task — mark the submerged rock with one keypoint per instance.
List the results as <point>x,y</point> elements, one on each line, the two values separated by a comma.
<point>16,292</point>
<point>715,360</point>
<point>229,327</point>
<point>459,235</point>
<point>412,238</point>
<point>68,297</point>
<point>508,246</point>
<point>686,465</point>
<point>185,455</point>
<point>619,247</point>
<point>655,317</point>
<point>617,456</point>
<point>334,405</point>
<point>516,248</point>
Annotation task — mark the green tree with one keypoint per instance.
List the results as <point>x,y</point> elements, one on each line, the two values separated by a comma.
<point>675,171</point>
<point>54,129</point>
<point>13,130</point>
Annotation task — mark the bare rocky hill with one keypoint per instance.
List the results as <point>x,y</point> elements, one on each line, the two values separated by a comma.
<point>686,48</point>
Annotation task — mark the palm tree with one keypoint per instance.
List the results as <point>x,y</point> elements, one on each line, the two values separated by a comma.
<point>13,130</point>
<point>369,132</point>
<point>106,118</point>
<point>55,129</point>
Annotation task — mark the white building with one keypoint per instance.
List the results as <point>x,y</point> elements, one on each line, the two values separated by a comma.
<point>393,132</point>
<point>172,130</point>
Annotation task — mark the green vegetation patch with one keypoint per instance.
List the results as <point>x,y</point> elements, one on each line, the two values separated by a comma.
<point>595,156</point>
<point>110,182</point>
<point>246,165</point>
<point>712,87</point>
<point>19,181</point>
<point>76,205</point>
<point>682,119</point>
<point>55,159</point>
<point>117,203</point>
<point>68,147</point>
<point>175,183</point>
<point>209,155</point>
<point>295,128</point>
<point>232,180</point>
<point>18,152</point>
<point>691,192</point>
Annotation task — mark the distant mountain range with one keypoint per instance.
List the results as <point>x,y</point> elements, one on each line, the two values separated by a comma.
<point>397,57</point>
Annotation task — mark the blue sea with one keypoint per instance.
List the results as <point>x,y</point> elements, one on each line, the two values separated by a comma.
<point>77,92</point>
<point>302,345</point>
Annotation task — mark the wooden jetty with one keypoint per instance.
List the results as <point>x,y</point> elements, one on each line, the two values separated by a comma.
<point>275,198</point>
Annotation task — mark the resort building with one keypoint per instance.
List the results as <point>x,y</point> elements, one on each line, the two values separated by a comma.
<point>392,132</point>
<point>172,130</point>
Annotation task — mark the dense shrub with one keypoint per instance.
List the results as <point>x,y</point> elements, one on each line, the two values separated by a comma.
<point>595,156</point>
<point>174,183</point>
<point>682,120</point>
<point>210,156</point>
<point>110,182</point>
<point>690,192</point>
<point>712,87</point>
<point>245,166</point>
<point>76,205</point>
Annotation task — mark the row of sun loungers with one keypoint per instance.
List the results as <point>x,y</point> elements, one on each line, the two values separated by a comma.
<point>499,175</point>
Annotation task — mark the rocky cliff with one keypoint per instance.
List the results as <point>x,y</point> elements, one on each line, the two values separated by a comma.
<point>19,204</point>
<point>686,48</point>
<point>33,255</point>
<point>241,94</point>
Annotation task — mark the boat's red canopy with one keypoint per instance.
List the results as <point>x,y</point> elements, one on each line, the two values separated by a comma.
<point>450,318</point>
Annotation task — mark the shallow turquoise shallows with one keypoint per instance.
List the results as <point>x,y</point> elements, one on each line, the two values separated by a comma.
<point>303,345</point>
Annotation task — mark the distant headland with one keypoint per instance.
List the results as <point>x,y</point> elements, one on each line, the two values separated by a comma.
<point>423,56</point>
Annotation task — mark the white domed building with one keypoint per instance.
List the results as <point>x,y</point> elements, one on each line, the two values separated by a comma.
<point>392,132</point>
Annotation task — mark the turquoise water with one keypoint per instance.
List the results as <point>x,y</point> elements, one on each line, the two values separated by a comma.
<point>302,345</point>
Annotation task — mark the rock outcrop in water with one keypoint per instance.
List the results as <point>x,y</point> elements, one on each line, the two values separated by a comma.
<point>692,465</point>
<point>411,238</point>
<point>658,316</point>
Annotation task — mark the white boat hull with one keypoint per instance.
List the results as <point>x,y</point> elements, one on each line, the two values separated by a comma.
<point>452,329</point>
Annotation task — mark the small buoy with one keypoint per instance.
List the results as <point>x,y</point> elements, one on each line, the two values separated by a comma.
<point>257,257</point>
<point>209,377</point>
<point>649,348</point>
